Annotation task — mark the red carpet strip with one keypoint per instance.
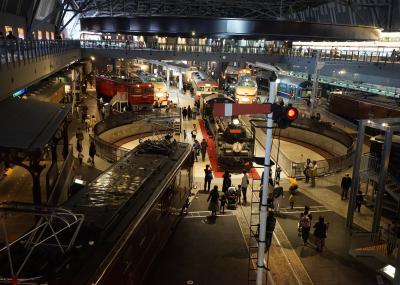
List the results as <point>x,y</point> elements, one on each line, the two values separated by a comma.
<point>212,155</point>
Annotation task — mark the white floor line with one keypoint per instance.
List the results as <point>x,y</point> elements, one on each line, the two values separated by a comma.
<point>299,212</point>
<point>285,256</point>
<point>209,215</point>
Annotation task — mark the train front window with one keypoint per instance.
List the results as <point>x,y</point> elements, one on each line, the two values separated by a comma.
<point>305,93</point>
<point>148,90</point>
<point>214,89</point>
<point>156,80</point>
<point>282,87</point>
<point>137,90</point>
<point>247,83</point>
<point>200,88</point>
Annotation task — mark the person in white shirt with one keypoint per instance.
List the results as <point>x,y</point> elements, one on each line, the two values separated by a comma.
<point>243,186</point>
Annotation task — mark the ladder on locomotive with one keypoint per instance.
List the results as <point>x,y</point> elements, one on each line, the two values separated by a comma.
<point>253,222</point>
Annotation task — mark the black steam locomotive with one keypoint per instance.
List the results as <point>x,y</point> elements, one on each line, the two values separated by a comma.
<point>233,144</point>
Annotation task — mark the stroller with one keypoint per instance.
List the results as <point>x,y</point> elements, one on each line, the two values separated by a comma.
<point>231,198</point>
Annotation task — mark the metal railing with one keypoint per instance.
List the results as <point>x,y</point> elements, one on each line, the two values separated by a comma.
<point>113,153</point>
<point>326,54</point>
<point>325,166</point>
<point>14,51</point>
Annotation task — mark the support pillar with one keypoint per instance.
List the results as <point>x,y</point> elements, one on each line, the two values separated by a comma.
<point>219,73</point>
<point>180,85</point>
<point>397,272</point>
<point>314,93</point>
<point>168,83</point>
<point>53,147</point>
<point>382,179</point>
<point>356,175</point>
<point>35,169</point>
<point>263,203</point>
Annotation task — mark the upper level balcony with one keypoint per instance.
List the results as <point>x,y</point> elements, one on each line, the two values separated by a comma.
<point>22,63</point>
<point>173,50</point>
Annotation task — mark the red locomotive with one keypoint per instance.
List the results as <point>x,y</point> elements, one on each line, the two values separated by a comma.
<point>138,94</point>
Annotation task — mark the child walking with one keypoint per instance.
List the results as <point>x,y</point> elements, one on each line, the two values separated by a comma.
<point>223,202</point>
<point>291,201</point>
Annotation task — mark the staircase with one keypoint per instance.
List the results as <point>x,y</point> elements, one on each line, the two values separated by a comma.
<point>382,245</point>
<point>119,101</point>
<point>370,166</point>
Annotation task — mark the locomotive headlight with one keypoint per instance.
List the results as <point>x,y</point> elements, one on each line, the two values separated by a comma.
<point>159,94</point>
<point>245,99</point>
<point>236,121</point>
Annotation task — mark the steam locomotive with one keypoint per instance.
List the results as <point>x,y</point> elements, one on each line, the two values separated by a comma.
<point>234,146</point>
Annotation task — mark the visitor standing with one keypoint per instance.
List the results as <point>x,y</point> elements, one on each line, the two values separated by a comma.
<point>346,184</point>
<point>278,171</point>
<point>278,195</point>
<point>223,203</point>
<point>189,112</point>
<point>359,200</point>
<point>184,113</point>
<point>213,199</point>
<point>243,186</point>
<point>203,149</point>
<point>208,176</point>
<point>196,147</point>
<point>307,170</point>
<point>305,224</point>
<point>87,123</point>
<point>314,172</point>
<point>226,182</point>
<point>194,132</point>
<point>93,122</point>
<point>320,233</point>
<point>292,200</point>
<point>92,152</point>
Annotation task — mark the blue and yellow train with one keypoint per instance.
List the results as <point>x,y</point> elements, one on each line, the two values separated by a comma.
<point>294,88</point>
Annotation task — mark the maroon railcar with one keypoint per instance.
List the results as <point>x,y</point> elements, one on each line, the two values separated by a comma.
<point>356,107</point>
<point>138,93</point>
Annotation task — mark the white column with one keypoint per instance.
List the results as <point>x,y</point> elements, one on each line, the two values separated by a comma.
<point>263,208</point>
<point>168,77</point>
<point>180,81</point>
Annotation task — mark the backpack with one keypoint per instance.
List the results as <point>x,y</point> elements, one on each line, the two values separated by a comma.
<point>210,175</point>
<point>305,221</point>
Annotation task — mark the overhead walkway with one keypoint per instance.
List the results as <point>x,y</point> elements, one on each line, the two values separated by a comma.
<point>354,65</point>
<point>118,49</point>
